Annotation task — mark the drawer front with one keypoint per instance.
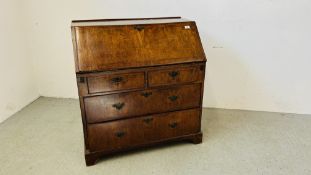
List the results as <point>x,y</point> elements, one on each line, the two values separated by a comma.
<point>175,75</point>
<point>123,105</point>
<point>114,82</point>
<point>131,132</point>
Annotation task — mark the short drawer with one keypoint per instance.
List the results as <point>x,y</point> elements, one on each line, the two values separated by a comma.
<point>130,132</point>
<point>124,105</point>
<point>115,82</point>
<point>175,75</point>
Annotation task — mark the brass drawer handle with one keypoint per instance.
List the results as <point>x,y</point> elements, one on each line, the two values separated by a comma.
<point>173,74</point>
<point>173,97</point>
<point>139,28</point>
<point>117,79</point>
<point>120,134</point>
<point>146,94</point>
<point>118,106</point>
<point>173,125</point>
<point>148,120</point>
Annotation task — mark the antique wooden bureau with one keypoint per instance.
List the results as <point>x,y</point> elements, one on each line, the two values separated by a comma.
<point>140,82</point>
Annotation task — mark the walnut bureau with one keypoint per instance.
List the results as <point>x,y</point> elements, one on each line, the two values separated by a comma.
<point>140,82</point>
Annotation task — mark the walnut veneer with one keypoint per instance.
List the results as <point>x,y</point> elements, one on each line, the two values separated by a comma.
<point>140,82</point>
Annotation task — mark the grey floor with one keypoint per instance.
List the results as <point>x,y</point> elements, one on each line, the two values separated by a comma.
<point>46,138</point>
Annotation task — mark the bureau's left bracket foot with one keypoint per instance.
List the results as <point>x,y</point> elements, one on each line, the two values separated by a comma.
<point>90,159</point>
<point>196,139</point>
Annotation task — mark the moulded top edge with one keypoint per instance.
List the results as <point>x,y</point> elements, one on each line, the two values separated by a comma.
<point>127,22</point>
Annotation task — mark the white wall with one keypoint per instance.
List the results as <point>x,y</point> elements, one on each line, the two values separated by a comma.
<point>258,50</point>
<point>17,87</point>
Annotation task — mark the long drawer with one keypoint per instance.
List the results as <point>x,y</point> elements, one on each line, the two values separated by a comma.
<point>124,105</point>
<point>130,132</point>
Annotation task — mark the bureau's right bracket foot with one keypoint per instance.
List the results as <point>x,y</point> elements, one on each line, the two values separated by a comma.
<point>196,139</point>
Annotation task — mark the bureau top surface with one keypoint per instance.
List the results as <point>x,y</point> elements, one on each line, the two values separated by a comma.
<point>127,21</point>
<point>112,44</point>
